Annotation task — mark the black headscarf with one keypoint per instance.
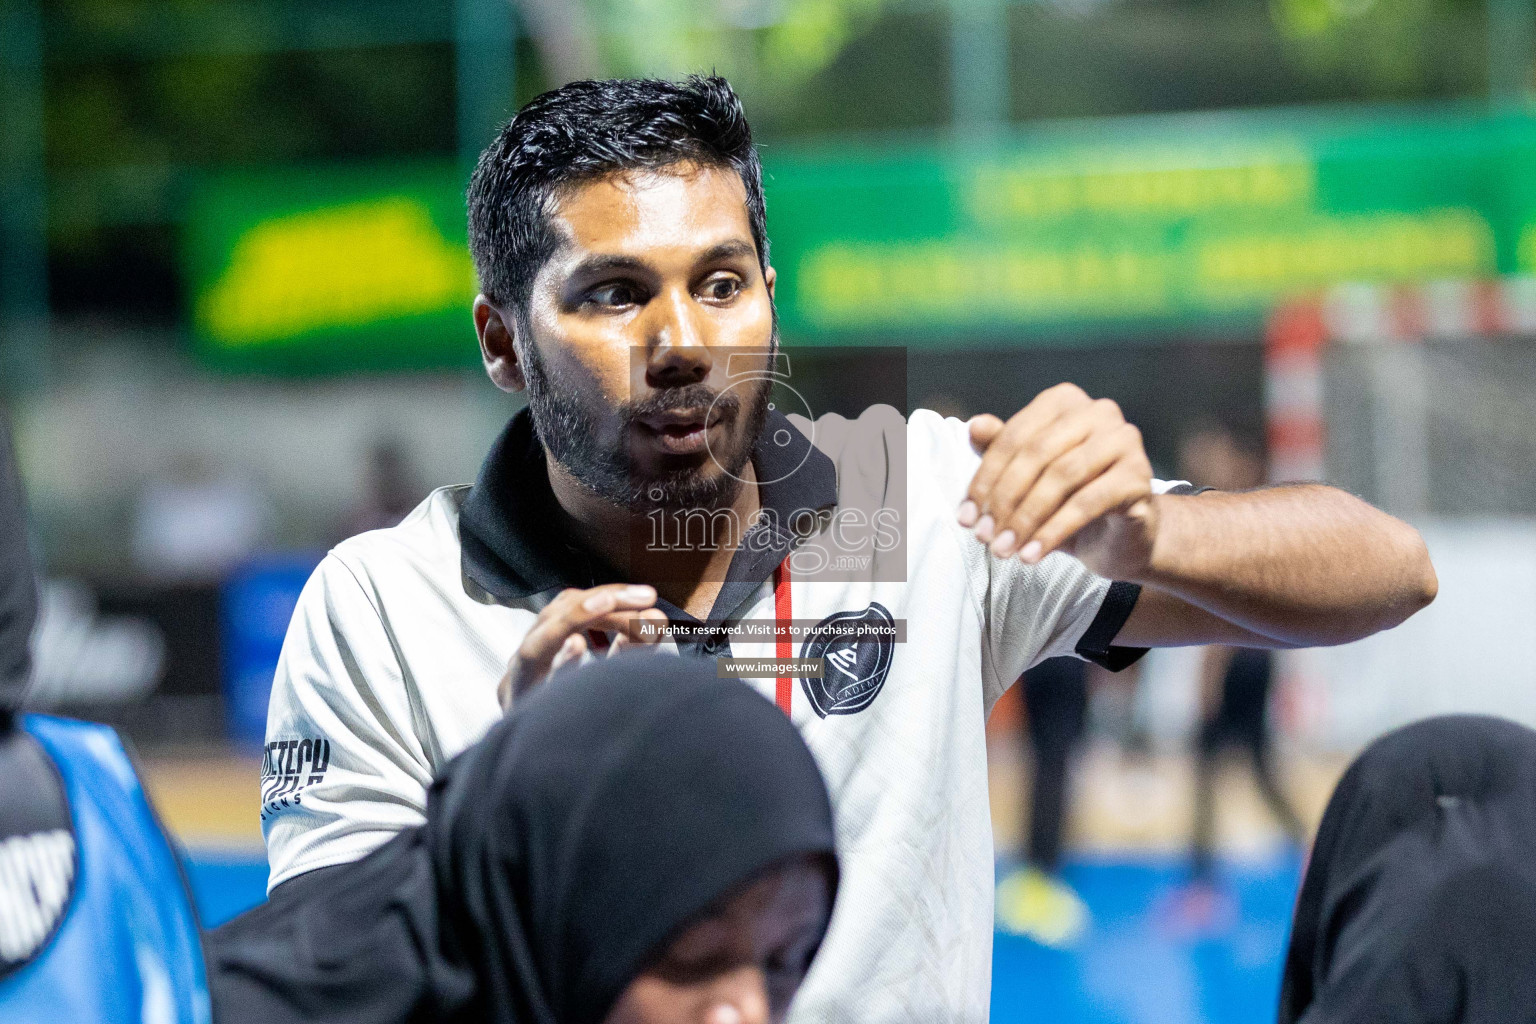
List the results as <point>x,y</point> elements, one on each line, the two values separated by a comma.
<point>1419,903</point>
<point>559,855</point>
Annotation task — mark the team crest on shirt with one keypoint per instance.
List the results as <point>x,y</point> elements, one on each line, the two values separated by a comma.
<point>855,665</point>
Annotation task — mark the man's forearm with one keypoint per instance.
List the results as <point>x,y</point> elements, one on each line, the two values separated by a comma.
<point>1304,565</point>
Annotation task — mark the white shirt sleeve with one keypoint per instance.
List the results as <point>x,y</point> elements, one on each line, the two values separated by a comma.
<point>1029,612</point>
<point>342,770</point>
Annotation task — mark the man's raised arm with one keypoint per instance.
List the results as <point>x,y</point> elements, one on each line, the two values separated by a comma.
<point>1292,566</point>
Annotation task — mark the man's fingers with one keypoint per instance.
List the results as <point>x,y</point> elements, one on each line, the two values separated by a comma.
<point>1003,444</point>
<point>613,607</point>
<point>648,626</point>
<point>574,647</point>
<point>1022,478</point>
<point>610,596</point>
<point>1017,431</point>
<point>1071,470</point>
<point>640,632</point>
<point>545,641</point>
<point>1113,492</point>
<point>574,611</point>
<point>528,672</point>
<point>984,430</point>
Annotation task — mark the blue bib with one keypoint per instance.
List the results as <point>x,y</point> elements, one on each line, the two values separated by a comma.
<point>96,923</point>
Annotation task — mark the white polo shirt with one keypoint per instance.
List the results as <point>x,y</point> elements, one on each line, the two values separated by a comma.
<point>391,664</point>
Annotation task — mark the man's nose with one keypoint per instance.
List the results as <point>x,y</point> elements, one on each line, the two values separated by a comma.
<point>740,997</point>
<point>677,352</point>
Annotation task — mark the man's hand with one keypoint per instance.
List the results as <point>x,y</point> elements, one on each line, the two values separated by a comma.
<point>1065,473</point>
<point>559,634</point>
<point>1296,566</point>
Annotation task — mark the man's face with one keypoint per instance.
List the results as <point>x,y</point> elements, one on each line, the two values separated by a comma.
<point>630,328</point>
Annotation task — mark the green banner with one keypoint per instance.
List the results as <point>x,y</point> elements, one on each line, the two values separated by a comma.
<point>1118,226</point>
<point>332,270</point>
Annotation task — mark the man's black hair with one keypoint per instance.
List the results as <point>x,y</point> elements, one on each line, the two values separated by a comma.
<point>583,131</point>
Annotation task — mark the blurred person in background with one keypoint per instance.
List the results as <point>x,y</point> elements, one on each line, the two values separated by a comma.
<point>1419,902</point>
<point>639,843</point>
<point>195,523</point>
<point>1034,900</point>
<point>619,233</point>
<point>1234,692</point>
<point>96,922</point>
<point>391,488</point>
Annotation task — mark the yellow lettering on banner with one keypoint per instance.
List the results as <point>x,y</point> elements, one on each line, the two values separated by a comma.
<point>1525,252</point>
<point>1156,183</point>
<point>1389,246</point>
<point>868,285</point>
<point>874,285</point>
<point>345,266</point>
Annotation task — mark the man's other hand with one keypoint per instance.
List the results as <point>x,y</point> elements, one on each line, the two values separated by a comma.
<point>559,634</point>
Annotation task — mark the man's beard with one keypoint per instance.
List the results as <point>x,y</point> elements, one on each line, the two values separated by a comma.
<point>569,432</point>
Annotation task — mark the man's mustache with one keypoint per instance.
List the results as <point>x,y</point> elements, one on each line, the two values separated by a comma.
<point>690,396</point>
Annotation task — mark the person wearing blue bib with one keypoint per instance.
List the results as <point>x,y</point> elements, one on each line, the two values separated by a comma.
<point>96,921</point>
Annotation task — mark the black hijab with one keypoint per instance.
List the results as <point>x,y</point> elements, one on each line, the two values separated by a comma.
<point>559,855</point>
<point>1419,903</point>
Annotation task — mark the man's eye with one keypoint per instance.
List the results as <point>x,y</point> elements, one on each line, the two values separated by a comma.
<point>722,289</point>
<point>614,295</point>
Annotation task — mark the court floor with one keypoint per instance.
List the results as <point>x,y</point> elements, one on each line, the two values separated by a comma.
<point>1143,961</point>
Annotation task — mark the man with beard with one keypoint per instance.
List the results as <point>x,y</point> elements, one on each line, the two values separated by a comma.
<point>619,234</point>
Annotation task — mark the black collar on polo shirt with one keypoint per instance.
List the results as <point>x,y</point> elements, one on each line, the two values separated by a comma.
<point>514,547</point>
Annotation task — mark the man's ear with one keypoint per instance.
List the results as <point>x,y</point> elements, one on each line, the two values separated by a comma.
<point>770,277</point>
<point>496,330</point>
